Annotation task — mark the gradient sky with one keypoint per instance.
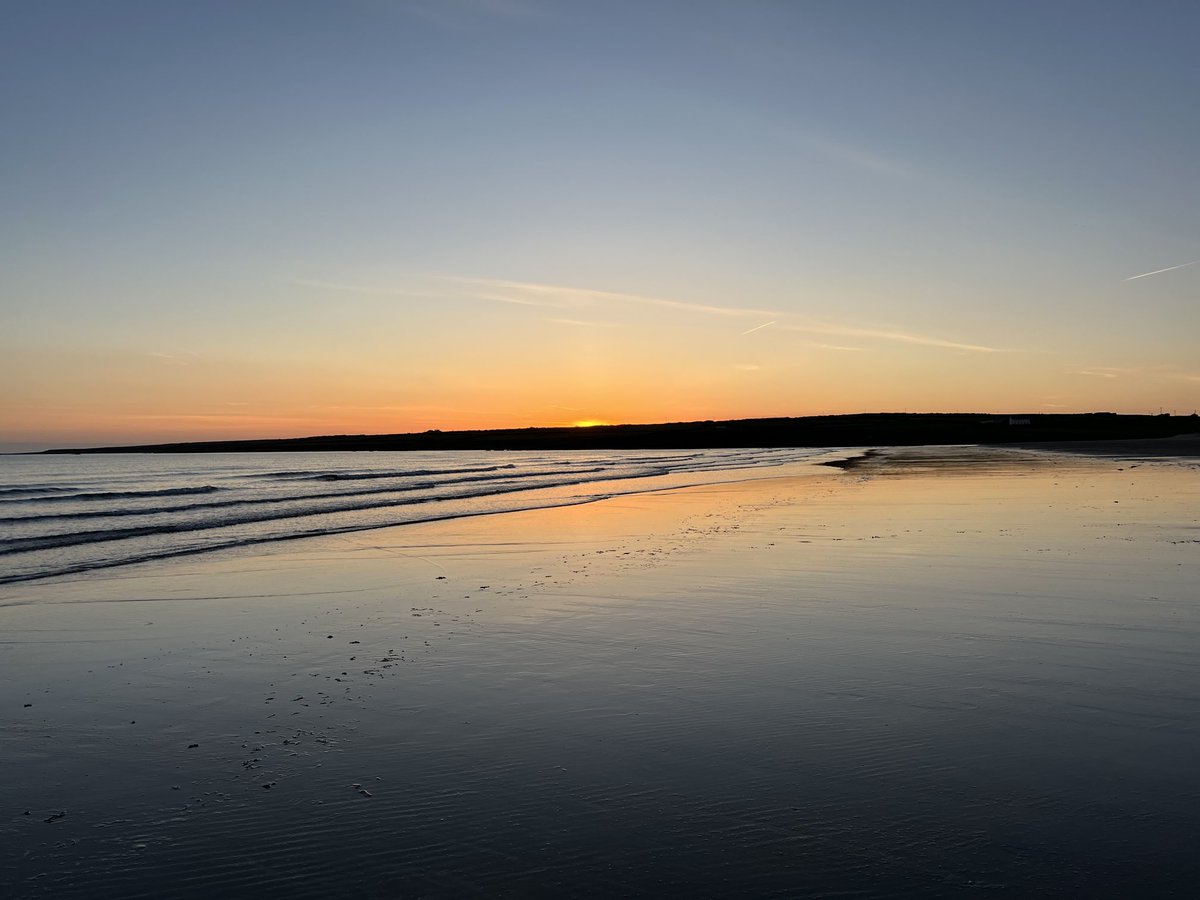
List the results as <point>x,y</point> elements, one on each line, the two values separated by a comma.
<point>285,218</point>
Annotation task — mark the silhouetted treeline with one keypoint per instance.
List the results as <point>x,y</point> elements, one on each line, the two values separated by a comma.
<point>866,429</point>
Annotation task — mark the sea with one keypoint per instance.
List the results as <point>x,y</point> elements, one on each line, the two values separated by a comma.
<point>75,513</point>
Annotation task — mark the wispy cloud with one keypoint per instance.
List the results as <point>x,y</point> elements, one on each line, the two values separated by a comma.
<point>212,418</point>
<point>178,358</point>
<point>556,296</point>
<point>748,367</point>
<point>1161,372</point>
<point>923,340</point>
<point>524,291</point>
<point>582,323</point>
<point>582,297</point>
<point>841,347</point>
<point>1107,371</point>
<point>1160,271</point>
<point>895,336</point>
<point>759,327</point>
<point>521,301</point>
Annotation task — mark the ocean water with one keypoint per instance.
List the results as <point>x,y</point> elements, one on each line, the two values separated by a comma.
<point>62,515</point>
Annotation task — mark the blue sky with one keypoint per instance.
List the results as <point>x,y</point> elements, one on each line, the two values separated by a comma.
<point>281,218</point>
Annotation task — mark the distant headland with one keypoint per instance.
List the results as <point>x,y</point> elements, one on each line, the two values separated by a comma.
<point>864,429</point>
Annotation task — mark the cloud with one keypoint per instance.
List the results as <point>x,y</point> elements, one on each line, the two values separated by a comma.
<point>520,301</point>
<point>556,296</point>
<point>582,323</point>
<point>180,358</point>
<point>1110,371</point>
<point>217,418</point>
<point>1161,372</point>
<point>551,294</point>
<point>748,367</point>
<point>884,334</point>
<point>836,347</point>
<point>583,297</point>
<point>1160,271</point>
<point>758,327</point>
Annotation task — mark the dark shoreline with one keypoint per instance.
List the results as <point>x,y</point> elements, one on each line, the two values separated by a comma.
<point>866,429</point>
<point>1177,445</point>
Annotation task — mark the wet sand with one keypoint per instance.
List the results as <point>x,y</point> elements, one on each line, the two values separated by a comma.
<point>936,673</point>
<point>1183,445</point>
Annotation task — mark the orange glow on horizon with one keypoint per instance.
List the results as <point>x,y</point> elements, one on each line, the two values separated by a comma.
<point>63,398</point>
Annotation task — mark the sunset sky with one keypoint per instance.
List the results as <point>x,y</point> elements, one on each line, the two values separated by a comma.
<point>259,219</point>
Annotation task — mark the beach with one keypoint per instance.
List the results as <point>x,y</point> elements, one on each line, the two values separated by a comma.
<point>935,672</point>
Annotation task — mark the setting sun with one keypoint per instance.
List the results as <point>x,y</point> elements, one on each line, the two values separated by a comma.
<point>588,423</point>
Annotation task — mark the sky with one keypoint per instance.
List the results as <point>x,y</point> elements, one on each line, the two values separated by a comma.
<point>266,219</point>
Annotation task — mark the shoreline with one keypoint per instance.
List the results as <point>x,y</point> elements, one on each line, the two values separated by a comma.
<point>1183,445</point>
<point>403,500</point>
<point>1185,448</point>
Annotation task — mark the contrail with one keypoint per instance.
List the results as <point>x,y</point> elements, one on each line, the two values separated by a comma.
<point>1160,271</point>
<point>758,327</point>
